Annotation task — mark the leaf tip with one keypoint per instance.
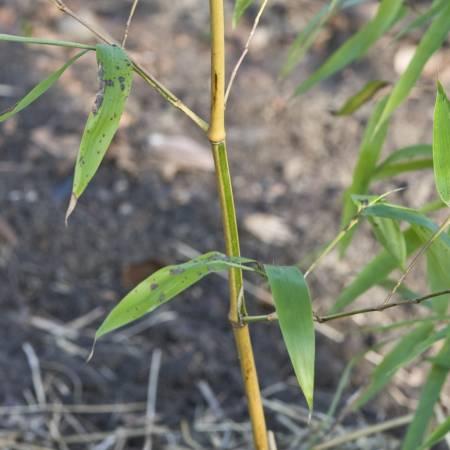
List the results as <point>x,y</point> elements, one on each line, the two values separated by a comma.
<point>72,205</point>
<point>91,354</point>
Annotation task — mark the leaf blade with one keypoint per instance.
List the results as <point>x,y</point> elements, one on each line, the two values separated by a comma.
<point>293,305</point>
<point>163,286</point>
<point>39,89</point>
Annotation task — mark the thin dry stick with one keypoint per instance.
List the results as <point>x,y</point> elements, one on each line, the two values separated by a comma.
<point>151,395</point>
<point>348,437</point>
<point>130,18</point>
<point>144,74</point>
<point>416,258</point>
<point>33,362</point>
<point>246,49</point>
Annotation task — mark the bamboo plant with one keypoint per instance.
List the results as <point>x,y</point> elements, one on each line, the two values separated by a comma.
<point>293,309</point>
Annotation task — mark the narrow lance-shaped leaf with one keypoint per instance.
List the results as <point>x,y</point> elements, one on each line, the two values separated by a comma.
<point>408,348</point>
<point>437,435</point>
<point>371,146</point>
<point>41,41</point>
<point>412,158</point>
<point>431,41</point>
<point>373,273</point>
<point>293,305</point>
<point>429,396</point>
<point>308,35</point>
<point>389,235</point>
<point>240,6</point>
<point>38,90</point>
<point>115,73</point>
<point>357,45</point>
<point>164,285</point>
<point>441,145</point>
<point>361,97</point>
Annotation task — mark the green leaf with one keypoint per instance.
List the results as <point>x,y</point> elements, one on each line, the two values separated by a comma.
<point>358,45</point>
<point>39,41</point>
<point>437,435</point>
<point>164,285</point>
<point>293,306</point>
<point>374,273</point>
<point>361,97</point>
<point>406,350</point>
<point>429,396</point>
<point>388,233</point>
<point>408,159</point>
<point>422,19</point>
<point>369,153</point>
<point>115,78</point>
<point>38,90</point>
<point>240,6</point>
<point>431,41</point>
<point>441,145</point>
<point>309,34</point>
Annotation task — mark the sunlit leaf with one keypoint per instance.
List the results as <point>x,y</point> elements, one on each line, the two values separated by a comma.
<point>368,157</point>
<point>408,159</point>
<point>358,45</point>
<point>40,41</point>
<point>115,77</point>
<point>437,435</point>
<point>293,305</point>
<point>407,349</point>
<point>431,41</point>
<point>389,235</point>
<point>164,285</point>
<point>422,19</point>
<point>374,273</point>
<point>361,97</point>
<point>429,396</point>
<point>38,90</point>
<point>240,6</point>
<point>441,145</point>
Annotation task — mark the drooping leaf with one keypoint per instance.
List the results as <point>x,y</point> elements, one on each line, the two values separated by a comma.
<point>293,305</point>
<point>115,78</point>
<point>369,153</point>
<point>388,233</point>
<point>377,270</point>
<point>164,285</point>
<point>431,41</point>
<point>441,145</point>
<point>429,396</point>
<point>407,349</point>
<point>38,90</point>
<point>408,159</point>
<point>40,41</point>
<point>361,97</point>
<point>240,6</point>
<point>437,435</point>
<point>358,45</point>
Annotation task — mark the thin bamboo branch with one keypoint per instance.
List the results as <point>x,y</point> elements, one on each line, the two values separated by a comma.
<point>433,238</point>
<point>130,18</point>
<point>246,49</point>
<point>322,319</point>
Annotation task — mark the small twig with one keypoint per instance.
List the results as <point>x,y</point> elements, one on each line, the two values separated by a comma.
<point>246,49</point>
<point>440,230</point>
<point>348,437</point>
<point>321,319</point>
<point>35,368</point>
<point>151,396</point>
<point>130,18</point>
<point>65,9</point>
